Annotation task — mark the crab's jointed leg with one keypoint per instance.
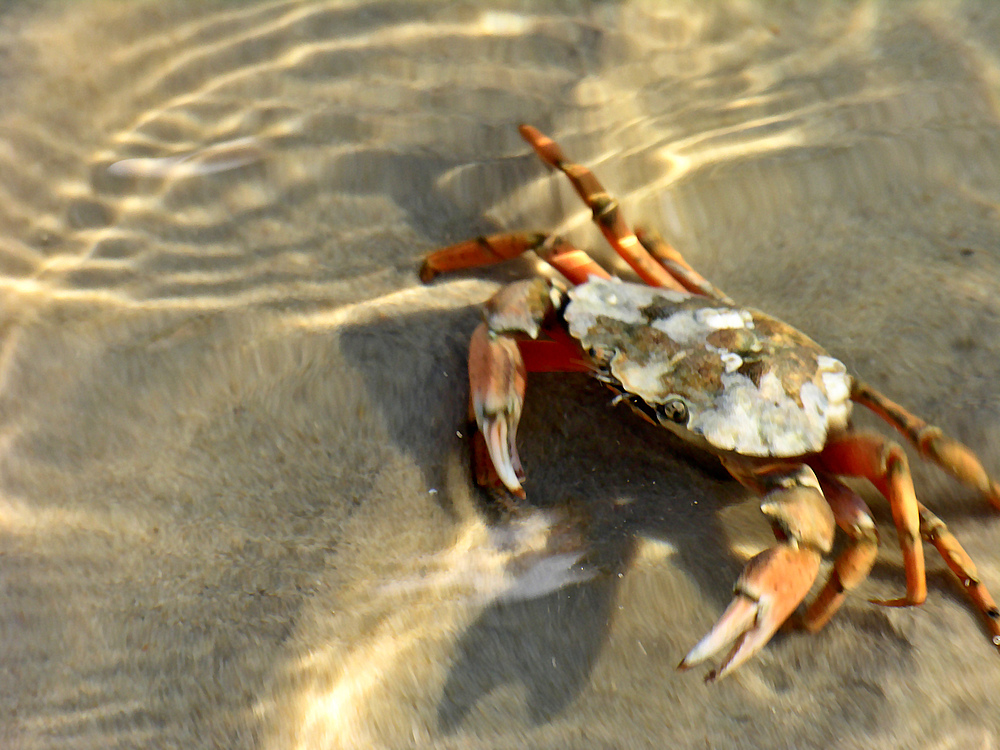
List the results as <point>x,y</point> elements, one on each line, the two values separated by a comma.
<point>572,263</point>
<point>854,564</point>
<point>679,268</point>
<point>883,463</point>
<point>652,259</point>
<point>957,459</point>
<point>934,530</point>
<point>774,582</point>
<point>607,213</point>
<point>480,251</point>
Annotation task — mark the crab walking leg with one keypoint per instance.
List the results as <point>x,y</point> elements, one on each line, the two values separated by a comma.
<point>480,251</point>
<point>571,262</point>
<point>607,214</point>
<point>774,582</point>
<point>934,530</point>
<point>854,564</point>
<point>679,268</point>
<point>957,459</point>
<point>884,464</point>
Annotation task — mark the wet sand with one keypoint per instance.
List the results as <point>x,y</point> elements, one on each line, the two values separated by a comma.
<point>236,508</point>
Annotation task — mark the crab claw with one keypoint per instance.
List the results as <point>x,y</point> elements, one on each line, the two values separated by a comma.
<point>499,432</point>
<point>768,590</point>
<point>497,381</point>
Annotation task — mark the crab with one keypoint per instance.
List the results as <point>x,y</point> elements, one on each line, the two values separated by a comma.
<point>769,402</point>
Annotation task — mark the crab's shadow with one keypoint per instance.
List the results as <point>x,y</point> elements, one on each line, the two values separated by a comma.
<point>598,468</point>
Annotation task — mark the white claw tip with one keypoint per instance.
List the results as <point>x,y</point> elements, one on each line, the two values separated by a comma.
<point>495,430</point>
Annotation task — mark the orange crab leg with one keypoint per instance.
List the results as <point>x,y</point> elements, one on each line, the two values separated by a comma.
<point>481,251</point>
<point>854,564</point>
<point>957,459</point>
<point>571,262</point>
<point>934,530</point>
<point>607,214</point>
<point>884,464</point>
<point>679,268</point>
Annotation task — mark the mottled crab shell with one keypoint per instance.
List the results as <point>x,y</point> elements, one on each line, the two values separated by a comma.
<point>750,383</point>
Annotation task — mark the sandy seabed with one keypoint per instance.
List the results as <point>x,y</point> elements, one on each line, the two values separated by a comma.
<point>236,509</point>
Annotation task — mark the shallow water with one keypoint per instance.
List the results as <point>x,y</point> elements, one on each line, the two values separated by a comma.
<point>235,500</point>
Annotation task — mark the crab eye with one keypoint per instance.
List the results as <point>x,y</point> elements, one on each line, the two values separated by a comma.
<point>672,410</point>
<point>600,355</point>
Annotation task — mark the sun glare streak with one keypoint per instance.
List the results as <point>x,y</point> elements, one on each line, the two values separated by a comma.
<point>418,616</point>
<point>654,551</point>
<point>500,24</point>
<point>338,715</point>
<point>219,157</point>
<point>505,563</point>
<point>680,158</point>
<point>413,299</point>
<point>23,518</point>
<point>19,518</point>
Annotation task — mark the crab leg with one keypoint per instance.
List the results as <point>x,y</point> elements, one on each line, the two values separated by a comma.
<point>774,582</point>
<point>679,268</point>
<point>480,251</point>
<point>572,263</point>
<point>607,214</point>
<point>957,459</point>
<point>884,464</point>
<point>934,530</point>
<point>854,564</point>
